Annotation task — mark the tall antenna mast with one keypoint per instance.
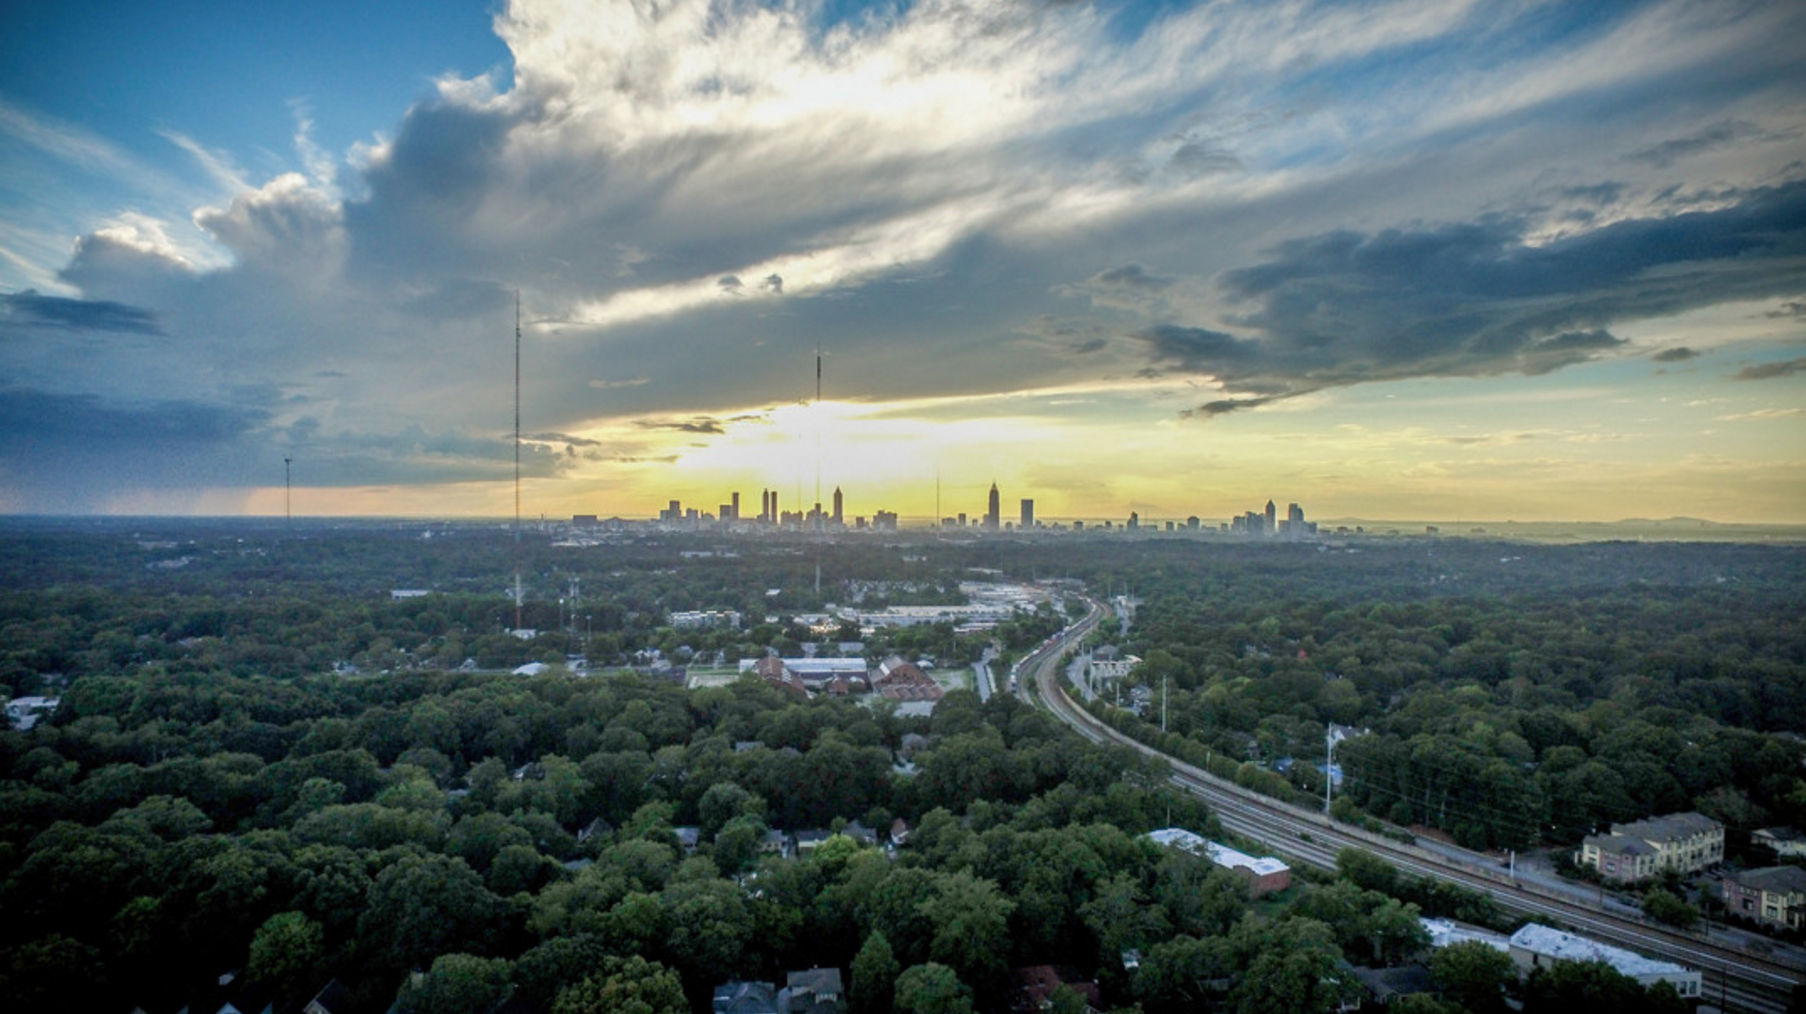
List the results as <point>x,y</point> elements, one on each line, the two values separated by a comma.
<point>820,522</point>
<point>817,414</point>
<point>288,493</point>
<point>517,593</point>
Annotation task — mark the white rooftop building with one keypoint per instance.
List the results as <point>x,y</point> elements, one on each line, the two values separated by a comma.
<point>24,712</point>
<point>702,618</point>
<point>1264,873</point>
<point>1539,946</point>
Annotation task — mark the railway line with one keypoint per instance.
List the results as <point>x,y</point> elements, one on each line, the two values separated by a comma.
<point>1733,979</point>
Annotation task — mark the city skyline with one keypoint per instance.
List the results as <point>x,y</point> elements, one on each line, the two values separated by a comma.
<point>1470,261</point>
<point>818,517</point>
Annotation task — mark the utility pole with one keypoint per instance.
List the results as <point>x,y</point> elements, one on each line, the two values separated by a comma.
<point>1329,754</point>
<point>1163,679</point>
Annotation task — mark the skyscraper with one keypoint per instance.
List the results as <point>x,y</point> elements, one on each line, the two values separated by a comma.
<point>1028,513</point>
<point>1272,518</point>
<point>837,515</point>
<point>994,512</point>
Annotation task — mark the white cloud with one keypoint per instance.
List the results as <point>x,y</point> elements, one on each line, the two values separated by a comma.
<point>218,165</point>
<point>322,168</point>
<point>1762,414</point>
<point>64,141</point>
<point>949,194</point>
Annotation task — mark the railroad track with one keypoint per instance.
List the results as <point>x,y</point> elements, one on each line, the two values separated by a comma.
<point>1733,979</point>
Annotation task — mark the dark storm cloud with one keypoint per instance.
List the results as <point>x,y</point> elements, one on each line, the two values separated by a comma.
<point>461,299</point>
<point>1224,406</point>
<point>1595,193</point>
<point>1477,298</point>
<point>30,308</point>
<point>441,166</point>
<point>1678,354</point>
<point>418,454</point>
<point>1196,348</point>
<point>1769,371</point>
<point>699,425</point>
<point>1132,276</point>
<point>70,451</point>
<point>1199,158</point>
<point>30,417</point>
<point>562,438</point>
<point>1566,349</point>
<point>1718,135</point>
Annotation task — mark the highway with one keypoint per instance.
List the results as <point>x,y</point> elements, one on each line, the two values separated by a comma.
<point>1734,979</point>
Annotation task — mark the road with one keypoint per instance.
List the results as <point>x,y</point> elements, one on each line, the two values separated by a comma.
<point>1735,979</point>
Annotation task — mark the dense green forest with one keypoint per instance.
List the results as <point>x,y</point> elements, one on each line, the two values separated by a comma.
<point>219,790</point>
<point>1514,695</point>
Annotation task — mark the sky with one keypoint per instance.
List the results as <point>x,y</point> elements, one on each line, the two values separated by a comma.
<point>1532,261</point>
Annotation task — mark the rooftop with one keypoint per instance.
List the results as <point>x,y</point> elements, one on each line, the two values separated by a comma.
<point>1619,844</point>
<point>1568,947</point>
<point>1671,826</point>
<point>1222,855</point>
<point>1773,879</point>
<point>1447,933</point>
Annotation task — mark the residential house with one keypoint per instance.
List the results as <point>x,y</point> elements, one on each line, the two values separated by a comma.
<point>1686,842</point>
<point>860,833</point>
<point>1783,841</point>
<point>1537,946</point>
<point>735,997</point>
<point>772,670</point>
<point>1386,986</point>
<point>816,991</point>
<point>1033,988</point>
<point>599,826</point>
<point>1618,858</point>
<point>906,683</point>
<point>1774,896</point>
<point>334,998</point>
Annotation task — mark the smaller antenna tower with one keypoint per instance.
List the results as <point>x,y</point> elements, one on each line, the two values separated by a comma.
<point>288,493</point>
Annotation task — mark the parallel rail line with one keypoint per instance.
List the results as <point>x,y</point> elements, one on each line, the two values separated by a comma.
<point>1737,979</point>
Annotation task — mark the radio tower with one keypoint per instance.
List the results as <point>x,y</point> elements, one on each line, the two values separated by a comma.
<point>819,522</point>
<point>288,494</point>
<point>517,592</point>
